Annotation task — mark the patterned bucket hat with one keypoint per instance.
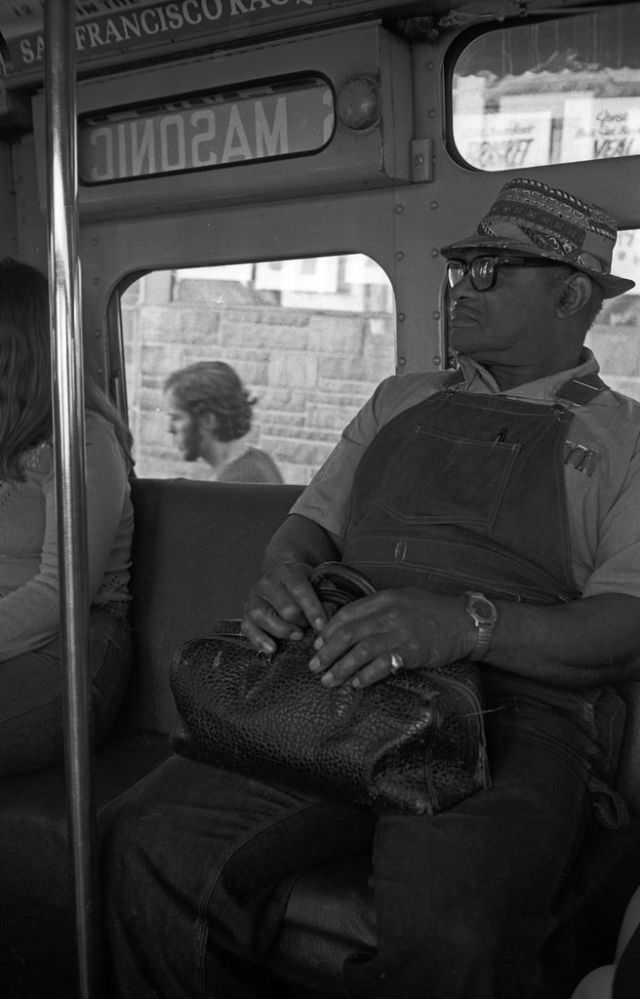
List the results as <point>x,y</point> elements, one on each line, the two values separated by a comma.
<point>531,218</point>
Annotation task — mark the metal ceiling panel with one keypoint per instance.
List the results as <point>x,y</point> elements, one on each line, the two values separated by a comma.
<point>116,32</point>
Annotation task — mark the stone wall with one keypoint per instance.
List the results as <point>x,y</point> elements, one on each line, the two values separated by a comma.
<point>309,370</point>
<point>615,340</point>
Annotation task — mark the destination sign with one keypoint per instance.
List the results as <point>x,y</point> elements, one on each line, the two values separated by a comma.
<point>206,132</point>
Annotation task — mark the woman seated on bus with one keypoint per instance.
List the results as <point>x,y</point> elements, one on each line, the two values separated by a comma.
<point>210,416</point>
<point>31,667</point>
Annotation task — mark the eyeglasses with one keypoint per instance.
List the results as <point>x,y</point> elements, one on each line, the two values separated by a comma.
<point>483,271</point>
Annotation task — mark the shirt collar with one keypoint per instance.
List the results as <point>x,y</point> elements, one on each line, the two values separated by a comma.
<point>476,378</point>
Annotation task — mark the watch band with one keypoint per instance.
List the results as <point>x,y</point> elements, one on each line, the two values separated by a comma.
<point>484,615</point>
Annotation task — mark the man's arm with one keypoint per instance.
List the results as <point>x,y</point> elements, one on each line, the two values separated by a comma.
<point>576,645</point>
<point>283,603</point>
<point>580,644</point>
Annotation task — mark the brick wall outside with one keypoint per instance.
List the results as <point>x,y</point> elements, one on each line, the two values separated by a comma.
<point>309,370</point>
<point>615,340</point>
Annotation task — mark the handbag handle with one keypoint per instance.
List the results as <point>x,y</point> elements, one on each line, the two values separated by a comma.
<point>339,584</point>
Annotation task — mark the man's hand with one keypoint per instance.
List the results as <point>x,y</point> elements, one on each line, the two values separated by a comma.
<point>282,604</point>
<point>424,628</point>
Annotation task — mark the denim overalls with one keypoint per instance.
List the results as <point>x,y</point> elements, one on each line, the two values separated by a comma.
<point>466,491</point>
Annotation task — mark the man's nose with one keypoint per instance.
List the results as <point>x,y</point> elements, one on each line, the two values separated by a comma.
<point>464,284</point>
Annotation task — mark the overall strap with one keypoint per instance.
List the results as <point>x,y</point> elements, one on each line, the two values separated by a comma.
<point>580,391</point>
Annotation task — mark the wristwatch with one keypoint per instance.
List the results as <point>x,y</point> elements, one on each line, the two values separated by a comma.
<point>484,615</point>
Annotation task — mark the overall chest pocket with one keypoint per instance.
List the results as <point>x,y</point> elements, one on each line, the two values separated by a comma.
<point>437,478</point>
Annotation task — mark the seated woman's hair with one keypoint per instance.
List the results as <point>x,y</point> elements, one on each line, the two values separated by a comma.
<point>214,387</point>
<point>25,364</point>
<point>26,418</point>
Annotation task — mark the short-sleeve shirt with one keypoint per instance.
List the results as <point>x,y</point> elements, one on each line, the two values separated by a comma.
<point>29,573</point>
<point>252,466</point>
<point>602,467</point>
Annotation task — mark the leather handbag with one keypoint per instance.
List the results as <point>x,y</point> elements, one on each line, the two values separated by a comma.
<point>413,742</point>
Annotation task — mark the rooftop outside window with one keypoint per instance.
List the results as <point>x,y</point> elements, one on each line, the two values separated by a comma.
<point>562,91</point>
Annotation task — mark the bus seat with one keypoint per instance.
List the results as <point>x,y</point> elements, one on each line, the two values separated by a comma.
<point>197,548</point>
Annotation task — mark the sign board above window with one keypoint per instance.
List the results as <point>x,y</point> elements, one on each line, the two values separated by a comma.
<point>259,122</point>
<point>115,32</point>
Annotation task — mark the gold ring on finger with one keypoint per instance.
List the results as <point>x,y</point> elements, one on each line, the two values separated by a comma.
<point>397,663</point>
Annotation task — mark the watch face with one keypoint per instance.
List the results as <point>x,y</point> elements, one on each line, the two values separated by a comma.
<point>482,608</point>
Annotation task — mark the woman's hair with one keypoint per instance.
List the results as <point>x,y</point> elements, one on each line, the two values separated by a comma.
<point>214,387</point>
<point>26,418</point>
<point>98,401</point>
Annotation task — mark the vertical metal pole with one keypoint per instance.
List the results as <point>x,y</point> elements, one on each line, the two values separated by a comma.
<point>69,438</point>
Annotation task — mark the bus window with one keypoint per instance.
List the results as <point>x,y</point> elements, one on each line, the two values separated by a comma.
<point>614,334</point>
<point>559,91</point>
<point>309,339</point>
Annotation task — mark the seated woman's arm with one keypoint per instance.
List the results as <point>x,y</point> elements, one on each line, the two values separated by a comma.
<point>30,614</point>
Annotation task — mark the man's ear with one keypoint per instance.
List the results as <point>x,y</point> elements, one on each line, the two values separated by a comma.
<point>573,293</point>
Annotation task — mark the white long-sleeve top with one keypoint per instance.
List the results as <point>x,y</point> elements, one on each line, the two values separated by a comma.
<point>29,584</point>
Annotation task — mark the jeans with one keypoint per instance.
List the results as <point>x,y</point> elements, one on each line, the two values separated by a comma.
<point>197,862</point>
<point>31,722</point>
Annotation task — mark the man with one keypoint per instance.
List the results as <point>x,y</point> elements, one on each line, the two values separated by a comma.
<point>210,416</point>
<point>495,507</point>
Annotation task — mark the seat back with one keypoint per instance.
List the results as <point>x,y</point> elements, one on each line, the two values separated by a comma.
<point>197,549</point>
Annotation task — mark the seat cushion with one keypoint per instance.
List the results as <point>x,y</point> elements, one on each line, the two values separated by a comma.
<point>331,915</point>
<point>34,852</point>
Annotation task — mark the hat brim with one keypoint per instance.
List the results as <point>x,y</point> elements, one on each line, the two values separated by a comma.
<point>610,284</point>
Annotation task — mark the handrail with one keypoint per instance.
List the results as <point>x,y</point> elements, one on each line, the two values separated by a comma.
<point>69,441</point>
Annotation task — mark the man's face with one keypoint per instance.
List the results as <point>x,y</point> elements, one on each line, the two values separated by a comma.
<point>184,428</point>
<point>507,324</point>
